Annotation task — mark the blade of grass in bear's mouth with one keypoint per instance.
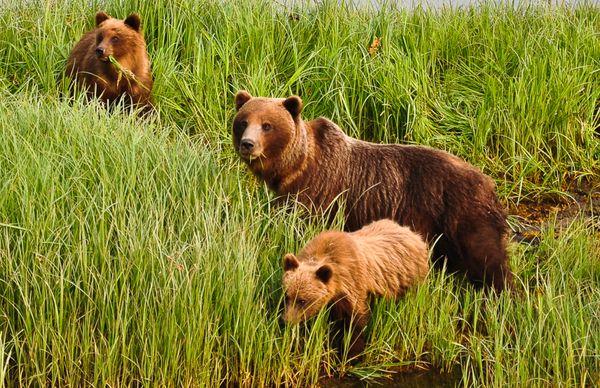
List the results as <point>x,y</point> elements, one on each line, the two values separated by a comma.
<point>122,70</point>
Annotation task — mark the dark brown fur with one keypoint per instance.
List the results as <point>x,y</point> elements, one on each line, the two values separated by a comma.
<point>93,71</point>
<point>433,192</point>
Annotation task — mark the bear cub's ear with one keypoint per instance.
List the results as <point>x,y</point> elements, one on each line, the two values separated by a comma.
<point>241,98</point>
<point>294,105</point>
<point>133,21</point>
<point>324,273</point>
<point>100,17</point>
<point>290,262</point>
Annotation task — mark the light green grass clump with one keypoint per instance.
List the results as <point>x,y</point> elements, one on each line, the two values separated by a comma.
<point>140,251</point>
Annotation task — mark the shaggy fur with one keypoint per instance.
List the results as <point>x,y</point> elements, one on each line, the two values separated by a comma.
<point>436,194</point>
<point>344,269</point>
<point>89,61</point>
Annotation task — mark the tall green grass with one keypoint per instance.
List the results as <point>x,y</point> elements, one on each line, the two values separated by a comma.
<point>131,254</point>
<point>141,251</point>
<point>514,90</point>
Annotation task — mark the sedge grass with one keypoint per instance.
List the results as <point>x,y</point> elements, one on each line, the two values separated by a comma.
<point>131,254</point>
<point>512,89</point>
<point>140,251</point>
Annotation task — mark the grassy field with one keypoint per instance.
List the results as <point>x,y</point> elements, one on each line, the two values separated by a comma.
<point>142,252</point>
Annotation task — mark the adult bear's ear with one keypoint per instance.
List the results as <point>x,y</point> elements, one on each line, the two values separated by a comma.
<point>133,21</point>
<point>294,105</point>
<point>100,17</point>
<point>290,262</point>
<point>324,273</point>
<point>241,98</point>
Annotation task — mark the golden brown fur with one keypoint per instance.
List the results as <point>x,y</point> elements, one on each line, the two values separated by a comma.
<point>89,62</point>
<point>344,269</point>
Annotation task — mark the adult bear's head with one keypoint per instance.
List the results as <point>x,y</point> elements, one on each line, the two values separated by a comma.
<point>264,128</point>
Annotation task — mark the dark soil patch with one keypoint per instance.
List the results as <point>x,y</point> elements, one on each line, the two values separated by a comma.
<point>528,218</point>
<point>406,379</point>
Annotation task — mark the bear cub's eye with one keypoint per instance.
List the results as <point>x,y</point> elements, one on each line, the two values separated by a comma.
<point>300,302</point>
<point>266,127</point>
<point>99,38</point>
<point>114,39</point>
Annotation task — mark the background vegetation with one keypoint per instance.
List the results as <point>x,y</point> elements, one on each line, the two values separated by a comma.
<point>141,251</point>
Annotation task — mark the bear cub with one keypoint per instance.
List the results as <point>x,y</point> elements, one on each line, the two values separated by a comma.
<point>343,270</point>
<point>443,198</point>
<point>89,64</point>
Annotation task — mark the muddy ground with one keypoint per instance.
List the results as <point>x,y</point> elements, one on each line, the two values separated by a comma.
<point>527,219</point>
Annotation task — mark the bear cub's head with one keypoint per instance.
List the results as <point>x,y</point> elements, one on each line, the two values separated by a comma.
<point>115,37</point>
<point>263,128</point>
<point>307,287</point>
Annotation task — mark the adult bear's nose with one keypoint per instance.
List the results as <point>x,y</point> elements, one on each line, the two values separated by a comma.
<point>99,51</point>
<point>246,145</point>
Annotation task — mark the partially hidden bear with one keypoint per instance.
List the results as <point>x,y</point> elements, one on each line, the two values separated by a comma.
<point>446,200</point>
<point>90,66</point>
<point>342,270</point>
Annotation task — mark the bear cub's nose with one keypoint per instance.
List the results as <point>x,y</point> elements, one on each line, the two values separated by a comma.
<point>99,51</point>
<point>247,145</point>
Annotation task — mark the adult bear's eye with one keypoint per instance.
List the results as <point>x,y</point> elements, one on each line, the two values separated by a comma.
<point>114,39</point>
<point>266,127</point>
<point>243,124</point>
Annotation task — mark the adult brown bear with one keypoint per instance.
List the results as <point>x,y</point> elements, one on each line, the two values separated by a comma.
<point>438,195</point>
<point>89,62</point>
